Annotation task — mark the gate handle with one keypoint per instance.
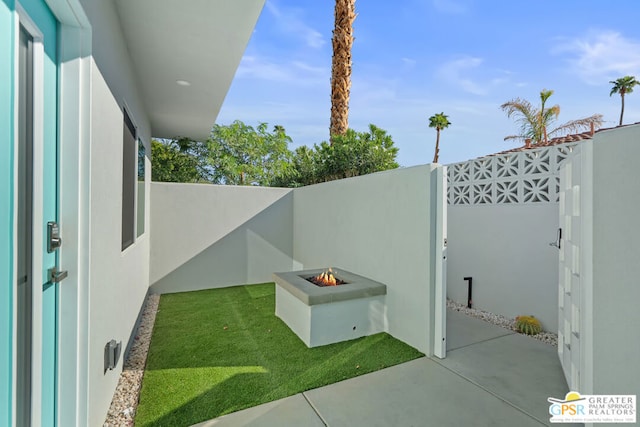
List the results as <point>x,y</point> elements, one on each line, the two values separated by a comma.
<point>558,239</point>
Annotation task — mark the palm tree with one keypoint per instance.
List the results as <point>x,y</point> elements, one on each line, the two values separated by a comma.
<point>345,15</point>
<point>623,86</point>
<point>536,122</point>
<point>438,121</point>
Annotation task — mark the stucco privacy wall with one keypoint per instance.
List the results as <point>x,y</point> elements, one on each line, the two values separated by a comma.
<point>502,215</point>
<point>616,251</point>
<point>207,236</point>
<point>118,279</point>
<point>378,226</point>
<point>505,249</point>
<point>597,343</point>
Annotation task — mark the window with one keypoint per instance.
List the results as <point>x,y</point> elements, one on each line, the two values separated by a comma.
<point>141,172</point>
<point>129,148</point>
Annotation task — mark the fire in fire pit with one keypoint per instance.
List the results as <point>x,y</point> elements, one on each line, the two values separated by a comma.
<point>326,278</point>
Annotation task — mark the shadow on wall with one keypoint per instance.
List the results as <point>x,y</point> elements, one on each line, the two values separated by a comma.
<point>381,226</point>
<point>250,253</point>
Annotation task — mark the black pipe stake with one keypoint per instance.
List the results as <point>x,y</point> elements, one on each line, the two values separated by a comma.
<point>469,287</point>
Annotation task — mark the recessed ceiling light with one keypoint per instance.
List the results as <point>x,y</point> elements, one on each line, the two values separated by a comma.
<point>183,83</point>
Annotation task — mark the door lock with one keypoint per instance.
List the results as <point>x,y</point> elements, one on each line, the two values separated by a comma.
<point>53,236</point>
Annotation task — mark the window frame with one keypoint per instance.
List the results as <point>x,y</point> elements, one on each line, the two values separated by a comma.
<point>129,179</point>
<point>141,180</point>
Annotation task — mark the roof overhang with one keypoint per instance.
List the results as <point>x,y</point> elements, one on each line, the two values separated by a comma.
<point>185,54</point>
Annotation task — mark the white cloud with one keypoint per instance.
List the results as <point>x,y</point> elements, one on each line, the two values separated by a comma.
<point>600,56</point>
<point>372,91</point>
<point>292,72</point>
<point>409,62</point>
<point>469,74</point>
<point>455,72</point>
<point>290,22</point>
<point>259,68</point>
<point>312,70</point>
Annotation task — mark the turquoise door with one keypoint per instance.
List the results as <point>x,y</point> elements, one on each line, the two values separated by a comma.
<point>36,189</point>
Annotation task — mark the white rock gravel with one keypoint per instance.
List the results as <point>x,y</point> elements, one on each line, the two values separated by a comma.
<point>125,399</point>
<point>498,320</point>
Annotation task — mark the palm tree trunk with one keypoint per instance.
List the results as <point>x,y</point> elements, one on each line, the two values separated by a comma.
<point>341,66</point>
<point>622,109</point>
<point>436,154</point>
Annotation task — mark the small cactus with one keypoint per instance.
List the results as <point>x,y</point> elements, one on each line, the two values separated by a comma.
<point>528,325</point>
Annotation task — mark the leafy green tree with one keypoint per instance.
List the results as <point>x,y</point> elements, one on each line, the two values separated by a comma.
<point>351,154</point>
<point>239,154</point>
<point>304,170</point>
<point>357,153</point>
<point>172,161</point>
<point>536,122</point>
<point>438,121</point>
<point>623,86</point>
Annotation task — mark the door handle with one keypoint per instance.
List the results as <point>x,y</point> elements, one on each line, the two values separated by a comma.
<point>558,241</point>
<point>56,276</point>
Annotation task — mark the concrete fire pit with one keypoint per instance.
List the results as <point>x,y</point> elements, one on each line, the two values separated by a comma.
<point>325,315</point>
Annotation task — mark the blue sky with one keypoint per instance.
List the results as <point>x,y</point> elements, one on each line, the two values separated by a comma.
<point>414,58</point>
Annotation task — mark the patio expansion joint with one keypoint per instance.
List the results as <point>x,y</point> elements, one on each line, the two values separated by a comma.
<point>516,407</point>
<point>314,409</point>
<point>506,334</point>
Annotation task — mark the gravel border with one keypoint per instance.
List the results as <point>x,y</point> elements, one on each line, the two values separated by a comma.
<point>502,321</point>
<point>125,399</point>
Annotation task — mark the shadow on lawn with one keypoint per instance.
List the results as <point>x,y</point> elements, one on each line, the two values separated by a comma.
<point>219,351</point>
<point>245,390</point>
<point>208,405</point>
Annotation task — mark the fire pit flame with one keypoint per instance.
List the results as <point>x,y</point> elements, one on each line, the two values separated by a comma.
<point>326,278</point>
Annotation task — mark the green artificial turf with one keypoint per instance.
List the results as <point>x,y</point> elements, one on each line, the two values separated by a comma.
<point>222,350</point>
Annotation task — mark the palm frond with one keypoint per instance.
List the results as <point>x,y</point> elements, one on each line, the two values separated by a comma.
<point>510,137</point>
<point>518,106</point>
<point>623,85</point>
<point>550,114</point>
<point>527,116</point>
<point>545,94</point>
<point>439,121</point>
<point>536,123</point>
<point>579,125</point>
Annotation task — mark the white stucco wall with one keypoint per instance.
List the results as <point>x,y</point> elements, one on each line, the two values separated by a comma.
<point>118,280</point>
<point>505,249</point>
<point>502,214</point>
<point>207,236</point>
<point>616,261</point>
<point>378,226</point>
<point>598,345</point>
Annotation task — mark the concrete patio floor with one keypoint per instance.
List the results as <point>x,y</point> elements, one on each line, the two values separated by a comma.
<point>490,377</point>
